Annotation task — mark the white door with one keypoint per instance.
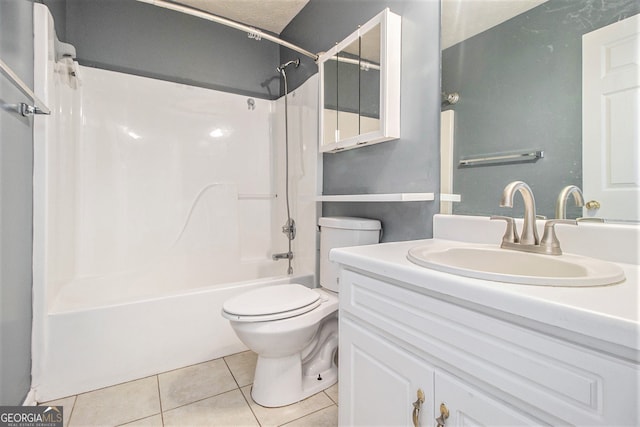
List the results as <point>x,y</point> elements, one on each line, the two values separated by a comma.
<point>610,116</point>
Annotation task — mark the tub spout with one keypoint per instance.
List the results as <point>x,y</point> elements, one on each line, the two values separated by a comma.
<point>283,255</point>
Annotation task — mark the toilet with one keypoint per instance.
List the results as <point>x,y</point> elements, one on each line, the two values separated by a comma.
<point>294,329</point>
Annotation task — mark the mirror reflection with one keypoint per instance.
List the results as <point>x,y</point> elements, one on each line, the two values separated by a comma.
<point>348,91</point>
<point>330,111</point>
<point>352,89</point>
<point>520,90</point>
<point>369,71</point>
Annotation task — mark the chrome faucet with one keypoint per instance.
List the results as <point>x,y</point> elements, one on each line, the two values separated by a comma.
<point>529,235</point>
<point>561,203</point>
<point>528,240</point>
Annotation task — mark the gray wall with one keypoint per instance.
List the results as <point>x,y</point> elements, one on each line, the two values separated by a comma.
<point>410,164</point>
<point>142,39</point>
<point>520,87</point>
<point>16,160</point>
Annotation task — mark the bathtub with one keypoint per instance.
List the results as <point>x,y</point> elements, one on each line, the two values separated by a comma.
<point>98,346</point>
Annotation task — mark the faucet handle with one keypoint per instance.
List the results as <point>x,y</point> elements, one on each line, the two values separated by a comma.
<point>510,234</point>
<point>550,243</point>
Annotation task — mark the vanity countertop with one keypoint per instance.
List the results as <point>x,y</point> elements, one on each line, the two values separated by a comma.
<point>606,318</point>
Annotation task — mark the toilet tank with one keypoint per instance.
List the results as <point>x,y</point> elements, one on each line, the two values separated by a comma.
<point>338,232</point>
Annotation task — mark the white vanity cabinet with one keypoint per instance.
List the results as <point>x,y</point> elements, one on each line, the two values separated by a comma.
<point>484,366</point>
<point>382,382</point>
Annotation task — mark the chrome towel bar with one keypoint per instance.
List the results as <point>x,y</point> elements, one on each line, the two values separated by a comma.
<point>503,158</point>
<point>22,108</point>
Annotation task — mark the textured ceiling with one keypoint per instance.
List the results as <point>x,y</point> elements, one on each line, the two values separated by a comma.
<point>461,19</point>
<point>270,15</point>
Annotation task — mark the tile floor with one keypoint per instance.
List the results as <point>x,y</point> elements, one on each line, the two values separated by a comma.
<point>214,393</point>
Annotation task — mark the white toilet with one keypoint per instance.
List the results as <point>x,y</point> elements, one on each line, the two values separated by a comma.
<point>294,329</point>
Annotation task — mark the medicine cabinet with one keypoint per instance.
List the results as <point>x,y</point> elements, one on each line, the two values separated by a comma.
<point>360,86</point>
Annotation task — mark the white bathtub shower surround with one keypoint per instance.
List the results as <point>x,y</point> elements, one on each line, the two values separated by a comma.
<point>153,152</point>
<point>154,202</point>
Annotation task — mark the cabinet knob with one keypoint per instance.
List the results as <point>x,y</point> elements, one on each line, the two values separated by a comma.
<point>417,405</point>
<point>444,414</point>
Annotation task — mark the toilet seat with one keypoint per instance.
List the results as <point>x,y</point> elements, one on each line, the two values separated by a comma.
<point>271,303</point>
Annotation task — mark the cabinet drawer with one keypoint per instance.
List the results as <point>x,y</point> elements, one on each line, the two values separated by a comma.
<point>543,372</point>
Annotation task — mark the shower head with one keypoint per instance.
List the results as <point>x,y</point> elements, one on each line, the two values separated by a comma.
<point>295,62</point>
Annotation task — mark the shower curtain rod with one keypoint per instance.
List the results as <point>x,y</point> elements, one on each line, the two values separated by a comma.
<point>253,32</point>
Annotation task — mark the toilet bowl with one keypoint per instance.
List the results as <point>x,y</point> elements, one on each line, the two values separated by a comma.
<point>296,342</point>
<point>294,329</point>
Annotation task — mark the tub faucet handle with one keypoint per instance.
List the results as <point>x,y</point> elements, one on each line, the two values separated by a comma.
<point>289,228</point>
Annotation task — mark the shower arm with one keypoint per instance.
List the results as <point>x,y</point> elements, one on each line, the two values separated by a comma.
<point>229,23</point>
<point>282,67</point>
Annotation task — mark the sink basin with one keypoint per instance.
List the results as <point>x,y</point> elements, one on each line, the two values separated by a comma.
<point>504,265</point>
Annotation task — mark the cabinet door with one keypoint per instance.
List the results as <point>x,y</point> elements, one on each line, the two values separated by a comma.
<point>379,381</point>
<point>469,407</point>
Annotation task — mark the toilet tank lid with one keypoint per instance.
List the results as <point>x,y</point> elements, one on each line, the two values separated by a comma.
<point>349,223</point>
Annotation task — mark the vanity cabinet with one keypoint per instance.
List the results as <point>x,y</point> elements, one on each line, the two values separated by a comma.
<point>484,368</point>
<point>360,86</point>
<point>385,383</point>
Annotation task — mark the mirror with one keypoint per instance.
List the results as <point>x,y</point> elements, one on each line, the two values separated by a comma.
<point>348,92</point>
<point>520,90</point>
<point>369,71</point>
<point>360,92</point>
